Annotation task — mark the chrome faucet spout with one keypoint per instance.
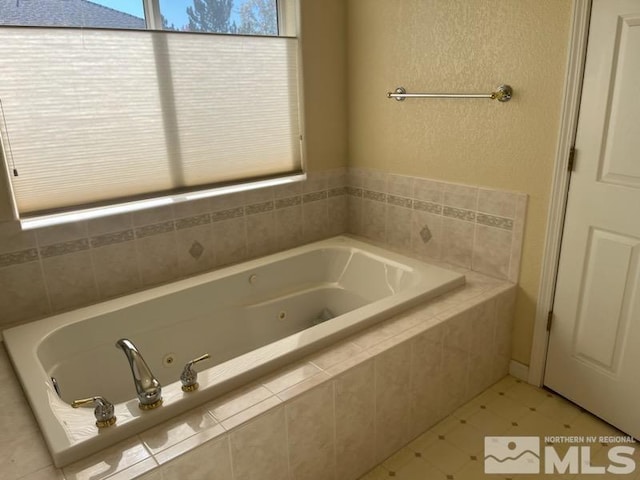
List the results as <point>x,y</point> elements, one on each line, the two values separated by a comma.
<point>147,386</point>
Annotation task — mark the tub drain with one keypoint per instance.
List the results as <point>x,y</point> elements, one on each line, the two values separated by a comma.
<point>282,315</point>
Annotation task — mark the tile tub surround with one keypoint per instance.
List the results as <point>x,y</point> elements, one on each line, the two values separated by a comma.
<point>334,415</point>
<point>61,268</point>
<point>473,227</point>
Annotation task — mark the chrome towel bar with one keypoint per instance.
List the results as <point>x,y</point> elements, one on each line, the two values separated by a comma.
<point>503,94</point>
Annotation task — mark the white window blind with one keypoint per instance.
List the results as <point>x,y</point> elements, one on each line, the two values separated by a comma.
<point>103,116</point>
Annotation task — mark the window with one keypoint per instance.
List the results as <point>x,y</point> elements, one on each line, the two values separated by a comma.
<point>240,17</point>
<point>94,117</point>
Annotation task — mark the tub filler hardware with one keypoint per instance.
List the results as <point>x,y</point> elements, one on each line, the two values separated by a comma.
<point>104,411</point>
<point>147,386</point>
<point>189,376</point>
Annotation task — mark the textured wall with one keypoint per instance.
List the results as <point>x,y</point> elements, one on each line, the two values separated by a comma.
<point>325,82</point>
<point>463,45</point>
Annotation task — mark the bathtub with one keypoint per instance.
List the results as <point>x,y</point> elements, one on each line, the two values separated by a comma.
<point>250,318</point>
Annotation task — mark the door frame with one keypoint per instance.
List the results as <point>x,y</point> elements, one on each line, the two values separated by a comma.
<point>576,56</point>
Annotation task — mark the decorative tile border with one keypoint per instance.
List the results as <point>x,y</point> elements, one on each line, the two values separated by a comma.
<point>503,212</point>
<point>375,196</point>
<point>111,238</point>
<point>15,258</point>
<point>336,191</point>
<point>258,208</point>
<point>288,202</point>
<point>459,213</point>
<point>227,214</point>
<point>354,192</point>
<point>190,222</point>
<point>314,197</point>
<point>399,201</point>
<point>155,229</point>
<point>64,248</point>
<point>494,221</point>
<point>428,207</point>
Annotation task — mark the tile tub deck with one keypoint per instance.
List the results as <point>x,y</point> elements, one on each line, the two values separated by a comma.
<point>333,415</point>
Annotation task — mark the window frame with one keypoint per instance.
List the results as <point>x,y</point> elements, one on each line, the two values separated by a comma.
<point>288,26</point>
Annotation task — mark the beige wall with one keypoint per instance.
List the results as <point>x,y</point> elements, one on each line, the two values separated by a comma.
<point>463,45</point>
<point>324,52</point>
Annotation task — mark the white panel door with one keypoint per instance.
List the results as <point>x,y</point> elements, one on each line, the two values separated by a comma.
<point>594,345</point>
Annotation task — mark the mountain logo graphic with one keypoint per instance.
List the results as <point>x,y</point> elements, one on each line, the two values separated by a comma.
<point>511,455</point>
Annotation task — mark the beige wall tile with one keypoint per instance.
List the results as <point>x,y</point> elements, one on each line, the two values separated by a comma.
<point>460,196</point>
<point>400,185</point>
<point>426,234</point>
<point>355,421</point>
<point>225,202</point>
<point>195,249</point>
<point>311,434</point>
<point>108,462</point>
<point>250,413</point>
<point>335,354</point>
<point>61,233</point>
<point>496,202</point>
<point>374,216</point>
<point>191,208</point>
<point>23,295</point>
<point>70,280</point>
<point>153,215</point>
<point>261,234</point>
<point>355,215</point>
<point>374,180</point>
<point>288,190</point>
<point>315,220</point>
<point>112,223</point>
<point>229,241</point>
<point>398,227</point>
<point>13,238</point>
<point>116,268</point>
<point>259,448</point>
<point>428,190</point>
<point>316,181</point>
<point>157,258</point>
<point>304,386</point>
<point>457,242</point>
<point>211,461</point>
<point>338,214</point>
<point>47,473</point>
<point>176,430</point>
<point>393,399</point>
<point>427,379</point>
<point>288,227</point>
<point>258,195</point>
<point>492,251</point>
<point>237,401</point>
<point>290,376</point>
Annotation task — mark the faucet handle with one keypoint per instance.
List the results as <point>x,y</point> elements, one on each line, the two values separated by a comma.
<point>104,411</point>
<point>189,377</point>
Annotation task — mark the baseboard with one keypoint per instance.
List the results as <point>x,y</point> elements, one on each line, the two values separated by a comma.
<point>519,370</point>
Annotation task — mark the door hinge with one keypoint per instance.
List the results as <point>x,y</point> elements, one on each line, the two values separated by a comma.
<point>572,159</point>
<point>549,320</point>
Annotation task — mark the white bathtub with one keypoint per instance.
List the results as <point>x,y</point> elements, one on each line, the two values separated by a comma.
<point>251,318</point>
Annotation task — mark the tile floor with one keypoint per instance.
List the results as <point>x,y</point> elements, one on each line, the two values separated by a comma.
<point>454,448</point>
